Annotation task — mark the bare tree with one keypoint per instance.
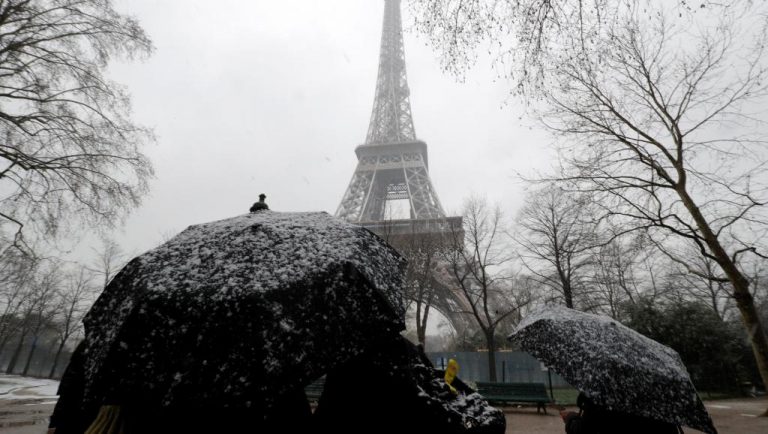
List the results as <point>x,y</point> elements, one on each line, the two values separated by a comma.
<point>523,34</point>
<point>479,263</point>
<point>422,251</point>
<point>556,238</point>
<point>35,314</point>
<point>42,317</point>
<point>16,272</point>
<point>69,150</point>
<point>74,296</point>
<point>759,282</point>
<point>703,284</point>
<point>108,260</point>
<point>623,270</point>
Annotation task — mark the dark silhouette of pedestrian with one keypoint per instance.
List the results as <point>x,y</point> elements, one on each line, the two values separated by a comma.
<point>594,419</point>
<point>69,416</point>
<point>260,205</point>
<point>398,378</point>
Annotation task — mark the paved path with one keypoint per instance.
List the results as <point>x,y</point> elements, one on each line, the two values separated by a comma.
<point>733,416</point>
<point>25,416</point>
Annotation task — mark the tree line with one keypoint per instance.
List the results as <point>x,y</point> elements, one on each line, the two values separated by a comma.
<point>654,108</point>
<point>43,303</point>
<point>555,250</point>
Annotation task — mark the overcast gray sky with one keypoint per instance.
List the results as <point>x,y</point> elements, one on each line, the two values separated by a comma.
<point>273,96</point>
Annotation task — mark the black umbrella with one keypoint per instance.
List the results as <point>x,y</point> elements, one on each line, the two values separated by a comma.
<point>613,365</point>
<point>239,311</point>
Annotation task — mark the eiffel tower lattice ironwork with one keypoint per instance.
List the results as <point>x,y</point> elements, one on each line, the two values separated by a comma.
<point>392,164</point>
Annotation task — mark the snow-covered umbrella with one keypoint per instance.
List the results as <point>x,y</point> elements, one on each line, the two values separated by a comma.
<point>236,312</point>
<point>613,365</point>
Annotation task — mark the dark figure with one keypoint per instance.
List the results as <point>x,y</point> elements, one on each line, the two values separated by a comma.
<point>594,419</point>
<point>68,415</point>
<point>132,415</point>
<point>260,205</point>
<point>291,413</point>
<point>409,395</point>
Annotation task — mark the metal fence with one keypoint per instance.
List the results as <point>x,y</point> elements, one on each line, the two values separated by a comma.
<point>511,367</point>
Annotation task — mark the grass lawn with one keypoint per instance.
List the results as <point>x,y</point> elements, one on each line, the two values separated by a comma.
<point>565,396</point>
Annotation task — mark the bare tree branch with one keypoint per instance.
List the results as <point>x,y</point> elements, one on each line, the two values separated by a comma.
<point>69,151</point>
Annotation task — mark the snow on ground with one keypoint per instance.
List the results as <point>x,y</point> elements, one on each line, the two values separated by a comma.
<point>17,387</point>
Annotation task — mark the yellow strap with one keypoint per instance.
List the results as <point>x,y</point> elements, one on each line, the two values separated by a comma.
<point>108,421</point>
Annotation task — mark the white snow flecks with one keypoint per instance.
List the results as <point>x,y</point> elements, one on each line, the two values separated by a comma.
<point>288,247</point>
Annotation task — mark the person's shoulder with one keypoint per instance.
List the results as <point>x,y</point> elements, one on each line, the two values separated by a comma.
<point>574,423</point>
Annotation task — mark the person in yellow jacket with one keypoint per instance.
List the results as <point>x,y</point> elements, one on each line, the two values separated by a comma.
<point>451,371</point>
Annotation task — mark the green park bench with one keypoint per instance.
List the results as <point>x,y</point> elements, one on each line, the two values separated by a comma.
<point>314,390</point>
<point>509,393</point>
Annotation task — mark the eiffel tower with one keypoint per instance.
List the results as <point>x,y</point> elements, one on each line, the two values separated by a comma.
<point>393,165</point>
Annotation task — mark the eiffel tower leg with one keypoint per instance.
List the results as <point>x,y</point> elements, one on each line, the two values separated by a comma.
<point>351,207</point>
<point>376,204</point>
<point>424,202</point>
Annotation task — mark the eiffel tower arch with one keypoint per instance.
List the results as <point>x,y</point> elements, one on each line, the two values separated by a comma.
<point>393,165</point>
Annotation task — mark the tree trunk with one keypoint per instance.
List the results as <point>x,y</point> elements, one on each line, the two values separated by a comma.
<point>744,299</point>
<point>421,323</point>
<point>29,357</point>
<point>3,342</point>
<point>422,329</point>
<point>715,307</point>
<point>15,358</point>
<point>491,356</point>
<point>565,282</point>
<point>56,358</point>
<point>755,330</point>
<point>568,295</point>
<point>6,336</point>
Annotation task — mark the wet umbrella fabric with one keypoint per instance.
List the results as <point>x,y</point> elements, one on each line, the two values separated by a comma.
<point>616,367</point>
<point>241,311</point>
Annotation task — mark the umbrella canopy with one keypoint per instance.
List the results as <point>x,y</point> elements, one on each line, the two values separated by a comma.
<point>237,312</point>
<point>616,367</point>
